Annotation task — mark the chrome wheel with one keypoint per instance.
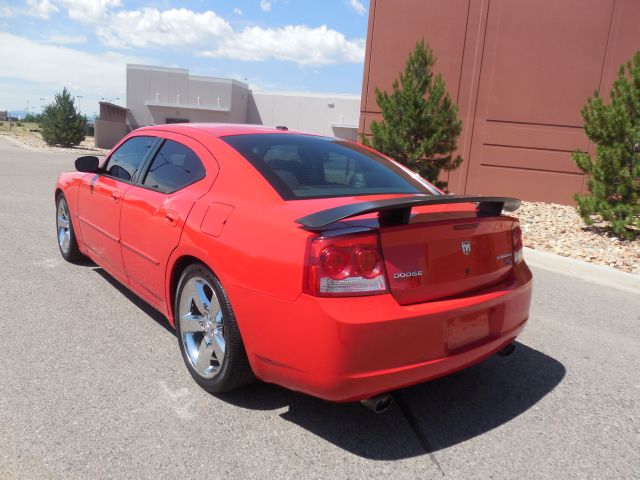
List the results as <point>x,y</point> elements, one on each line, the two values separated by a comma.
<point>64,230</point>
<point>201,327</point>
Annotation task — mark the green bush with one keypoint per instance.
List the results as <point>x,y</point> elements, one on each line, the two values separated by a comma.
<point>420,125</point>
<point>61,123</point>
<point>31,118</point>
<point>614,173</point>
<point>18,124</point>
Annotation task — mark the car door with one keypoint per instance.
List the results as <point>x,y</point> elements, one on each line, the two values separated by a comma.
<point>100,199</point>
<point>155,209</point>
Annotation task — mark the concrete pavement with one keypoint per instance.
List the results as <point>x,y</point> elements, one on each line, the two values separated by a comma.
<point>92,384</point>
<point>590,272</point>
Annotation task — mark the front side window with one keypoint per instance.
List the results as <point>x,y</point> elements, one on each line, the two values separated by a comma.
<point>125,162</point>
<point>305,166</point>
<point>174,167</point>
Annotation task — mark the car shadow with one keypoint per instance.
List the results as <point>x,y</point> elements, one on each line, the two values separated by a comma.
<point>133,298</point>
<point>425,418</point>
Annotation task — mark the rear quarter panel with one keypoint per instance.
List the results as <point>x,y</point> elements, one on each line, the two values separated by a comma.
<point>257,246</point>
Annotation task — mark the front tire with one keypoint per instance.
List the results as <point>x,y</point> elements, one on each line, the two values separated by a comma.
<point>67,242</point>
<point>208,334</point>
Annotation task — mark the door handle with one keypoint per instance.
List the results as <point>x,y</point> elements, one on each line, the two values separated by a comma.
<point>116,196</point>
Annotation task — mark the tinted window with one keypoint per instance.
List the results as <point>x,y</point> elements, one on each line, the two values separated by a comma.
<point>304,166</point>
<point>127,159</point>
<point>174,167</point>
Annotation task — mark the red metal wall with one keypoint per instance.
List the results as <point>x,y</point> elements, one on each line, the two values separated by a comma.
<point>520,71</point>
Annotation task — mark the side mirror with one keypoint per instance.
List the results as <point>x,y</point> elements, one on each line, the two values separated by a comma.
<point>87,164</point>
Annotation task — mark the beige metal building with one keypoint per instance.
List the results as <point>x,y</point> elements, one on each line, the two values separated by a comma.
<point>159,95</point>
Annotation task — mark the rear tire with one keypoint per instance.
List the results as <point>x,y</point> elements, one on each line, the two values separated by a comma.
<point>67,242</point>
<point>208,334</point>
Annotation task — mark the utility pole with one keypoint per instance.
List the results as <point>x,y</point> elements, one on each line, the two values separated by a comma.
<point>79,97</point>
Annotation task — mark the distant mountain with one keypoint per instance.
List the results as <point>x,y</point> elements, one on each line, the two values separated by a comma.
<point>18,113</point>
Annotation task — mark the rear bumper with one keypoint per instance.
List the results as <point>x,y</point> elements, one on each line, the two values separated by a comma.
<point>344,349</point>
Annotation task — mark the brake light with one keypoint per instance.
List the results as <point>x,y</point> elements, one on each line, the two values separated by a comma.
<point>517,243</point>
<point>345,266</point>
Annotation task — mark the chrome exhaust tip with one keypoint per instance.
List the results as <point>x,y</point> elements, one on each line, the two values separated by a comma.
<point>379,403</point>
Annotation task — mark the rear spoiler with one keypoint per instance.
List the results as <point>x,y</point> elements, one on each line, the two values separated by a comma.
<point>397,211</point>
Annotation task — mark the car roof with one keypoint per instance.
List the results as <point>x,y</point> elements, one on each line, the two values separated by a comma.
<point>217,129</point>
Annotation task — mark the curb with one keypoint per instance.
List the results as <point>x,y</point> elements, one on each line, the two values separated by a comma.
<point>598,274</point>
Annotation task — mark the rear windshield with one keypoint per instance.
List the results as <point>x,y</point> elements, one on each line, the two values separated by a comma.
<point>305,166</point>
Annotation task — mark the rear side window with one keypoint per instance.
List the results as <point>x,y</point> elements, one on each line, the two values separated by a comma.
<point>305,166</point>
<point>127,159</point>
<point>174,167</point>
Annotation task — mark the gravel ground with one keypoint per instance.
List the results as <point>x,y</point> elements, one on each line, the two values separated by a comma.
<point>559,229</point>
<point>34,141</point>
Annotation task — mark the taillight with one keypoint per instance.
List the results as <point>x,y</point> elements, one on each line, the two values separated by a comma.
<point>517,243</point>
<point>345,266</point>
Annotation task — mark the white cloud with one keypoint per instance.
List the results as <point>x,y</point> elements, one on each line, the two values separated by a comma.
<point>265,5</point>
<point>237,11</point>
<point>296,43</point>
<point>32,8</point>
<point>210,35</point>
<point>56,66</point>
<point>207,34</point>
<point>89,11</point>
<point>40,8</point>
<point>150,27</point>
<point>59,39</point>
<point>357,6</point>
<point>6,11</point>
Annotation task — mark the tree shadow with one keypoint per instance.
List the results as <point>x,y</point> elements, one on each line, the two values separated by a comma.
<point>604,230</point>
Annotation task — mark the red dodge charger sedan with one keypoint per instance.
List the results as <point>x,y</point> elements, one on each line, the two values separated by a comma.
<point>311,262</point>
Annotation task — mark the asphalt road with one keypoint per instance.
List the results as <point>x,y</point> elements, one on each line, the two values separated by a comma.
<point>92,384</point>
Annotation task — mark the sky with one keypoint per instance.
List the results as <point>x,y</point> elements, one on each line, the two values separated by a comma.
<point>290,45</point>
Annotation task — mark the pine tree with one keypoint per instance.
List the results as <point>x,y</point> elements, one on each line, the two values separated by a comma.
<point>420,125</point>
<point>61,123</point>
<point>614,174</point>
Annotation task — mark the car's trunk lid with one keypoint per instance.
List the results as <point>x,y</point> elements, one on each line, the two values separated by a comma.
<point>438,259</point>
<point>451,245</point>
